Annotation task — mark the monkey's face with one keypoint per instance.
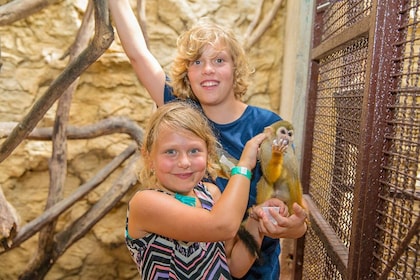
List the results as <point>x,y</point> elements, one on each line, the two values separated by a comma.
<point>284,136</point>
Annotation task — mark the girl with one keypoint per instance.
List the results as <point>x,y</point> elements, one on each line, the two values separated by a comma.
<point>175,205</point>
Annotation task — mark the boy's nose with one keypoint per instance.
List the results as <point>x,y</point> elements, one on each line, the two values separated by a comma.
<point>208,68</point>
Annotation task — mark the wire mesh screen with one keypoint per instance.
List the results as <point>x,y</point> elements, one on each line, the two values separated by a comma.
<point>343,91</point>
<point>398,240</point>
<point>318,264</point>
<point>343,14</point>
<point>335,145</point>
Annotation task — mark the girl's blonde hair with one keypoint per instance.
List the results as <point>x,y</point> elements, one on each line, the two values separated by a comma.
<point>190,48</point>
<point>181,117</point>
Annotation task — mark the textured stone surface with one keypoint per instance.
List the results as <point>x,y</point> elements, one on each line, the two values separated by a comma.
<point>31,50</point>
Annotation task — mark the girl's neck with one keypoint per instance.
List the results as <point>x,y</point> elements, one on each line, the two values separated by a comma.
<point>174,192</point>
<point>225,113</point>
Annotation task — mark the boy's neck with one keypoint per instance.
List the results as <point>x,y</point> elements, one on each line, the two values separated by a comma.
<point>224,114</point>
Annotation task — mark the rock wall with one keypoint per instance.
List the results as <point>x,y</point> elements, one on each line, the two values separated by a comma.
<point>31,52</point>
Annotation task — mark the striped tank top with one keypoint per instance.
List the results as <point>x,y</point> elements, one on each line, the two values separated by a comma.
<point>158,257</point>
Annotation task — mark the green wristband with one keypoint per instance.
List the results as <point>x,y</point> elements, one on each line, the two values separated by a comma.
<point>242,171</point>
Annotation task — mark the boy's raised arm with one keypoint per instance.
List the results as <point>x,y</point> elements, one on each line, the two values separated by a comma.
<point>145,65</point>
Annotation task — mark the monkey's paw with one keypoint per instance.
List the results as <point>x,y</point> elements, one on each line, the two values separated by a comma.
<point>280,145</point>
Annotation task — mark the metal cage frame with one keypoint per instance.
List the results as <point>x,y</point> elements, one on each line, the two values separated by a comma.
<point>361,156</point>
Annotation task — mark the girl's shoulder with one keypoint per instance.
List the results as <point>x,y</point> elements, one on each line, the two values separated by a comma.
<point>147,194</point>
<point>212,189</point>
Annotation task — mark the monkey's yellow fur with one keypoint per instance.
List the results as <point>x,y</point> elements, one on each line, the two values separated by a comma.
<point>279,166</point>
<point>280,174</point>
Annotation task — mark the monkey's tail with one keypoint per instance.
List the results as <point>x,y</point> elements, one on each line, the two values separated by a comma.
<point>249,242</point>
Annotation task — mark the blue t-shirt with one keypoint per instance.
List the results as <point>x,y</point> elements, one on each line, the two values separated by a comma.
<point>233,137</point>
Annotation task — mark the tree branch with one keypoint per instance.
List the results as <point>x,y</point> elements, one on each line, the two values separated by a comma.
<point>81,226</point>
<point>255,20</point>
<point>58,160</point>
<point>20,9</point>
<point>263,26</point>
<point>52,213</point>
<point>101,41</point>
<point>9,221</point>
<point>106,126</point>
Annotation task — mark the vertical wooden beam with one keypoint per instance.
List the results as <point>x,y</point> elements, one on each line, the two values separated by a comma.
<point>306,154</point>
<point>384,24</point>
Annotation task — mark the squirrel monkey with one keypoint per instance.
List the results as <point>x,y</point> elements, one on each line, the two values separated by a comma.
<point>280,174</point>
<point>279,166</point>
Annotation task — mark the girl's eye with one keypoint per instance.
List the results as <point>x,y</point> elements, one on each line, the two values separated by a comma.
<point>196,62</point>
<point>219,60</point>
<point>170,152</point>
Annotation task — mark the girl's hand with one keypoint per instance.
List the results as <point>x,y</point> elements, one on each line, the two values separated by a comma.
<point>249,154</point>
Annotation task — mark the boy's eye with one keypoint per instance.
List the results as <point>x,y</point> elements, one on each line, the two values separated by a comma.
<point>194,151</point>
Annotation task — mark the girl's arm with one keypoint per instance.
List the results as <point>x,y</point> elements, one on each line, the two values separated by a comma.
<point>152,211</point>
<point>145,65</point>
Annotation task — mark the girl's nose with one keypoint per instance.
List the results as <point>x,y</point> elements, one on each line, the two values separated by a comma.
<point>184,161</point>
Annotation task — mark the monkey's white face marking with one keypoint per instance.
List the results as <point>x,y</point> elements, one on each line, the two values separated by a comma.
<point>284,136</point>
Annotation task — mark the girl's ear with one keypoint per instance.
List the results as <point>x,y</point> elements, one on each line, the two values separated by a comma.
<point>147,159</point>
<point>146,155</point>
